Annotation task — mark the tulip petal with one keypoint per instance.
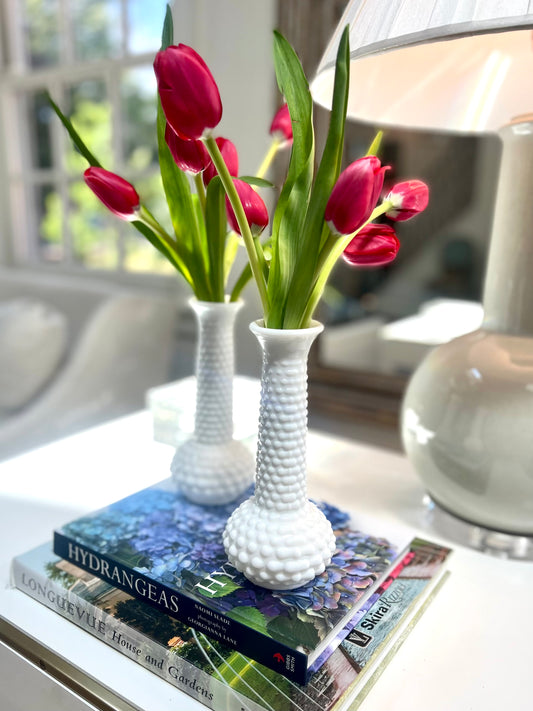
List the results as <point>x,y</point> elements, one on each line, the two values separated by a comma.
<point>355,195</point>
<point>119,196</point>
<point>281,126</point>
<point>254,208</point>
<point>374,245</point>
<point>189,95</point>
<point>189,156</point>
<point>409,198</point>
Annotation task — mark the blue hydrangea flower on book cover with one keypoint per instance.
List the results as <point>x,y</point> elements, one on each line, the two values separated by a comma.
<point>163,549</point>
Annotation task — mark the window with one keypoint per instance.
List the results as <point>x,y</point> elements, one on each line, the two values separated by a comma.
<point>95,58</point>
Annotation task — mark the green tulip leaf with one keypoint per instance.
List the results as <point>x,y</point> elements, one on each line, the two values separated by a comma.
<point>167,35</point>
<point>182,212</point>
<point>257,182</point>
<point>74,135</point>
<point>314,232</point>
<point>291,209</point>
<point>375,146</point>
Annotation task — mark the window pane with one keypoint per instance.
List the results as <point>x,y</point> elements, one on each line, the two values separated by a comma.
<point>140,255</point>
<point>139,115</point>
<point>145,24</point>
<point>39,118</point>
<point>49,216</point>
<point>97,29</point>
<point>94,231</point>
<point>42,32</point>
<point>91,115</point>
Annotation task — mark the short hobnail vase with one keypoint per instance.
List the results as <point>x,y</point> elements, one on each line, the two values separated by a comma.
<point>211,467</point>
<point>278,538</point>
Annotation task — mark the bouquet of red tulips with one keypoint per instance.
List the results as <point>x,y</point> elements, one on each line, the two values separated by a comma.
<point>317,218</point>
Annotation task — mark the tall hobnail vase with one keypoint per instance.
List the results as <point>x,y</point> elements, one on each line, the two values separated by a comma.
<point>468,410</point>
<point>211,467</point>
<point>278,538</point>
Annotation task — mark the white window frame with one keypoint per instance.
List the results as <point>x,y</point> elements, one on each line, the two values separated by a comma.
<point>18,234</point>
<point>223,32</point>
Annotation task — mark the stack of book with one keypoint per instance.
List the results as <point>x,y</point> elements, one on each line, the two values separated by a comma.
<point>148,576</point>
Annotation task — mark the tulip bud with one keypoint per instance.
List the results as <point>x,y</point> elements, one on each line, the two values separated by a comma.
<point>117,194</point>
<point>373,246</point>
<point>254,208</point>
<point>231,159</point>
<point>408,199</point>
<point>355,195</point>
<point>281,126</point>
<point>189,156</point>
<point>188,92</point>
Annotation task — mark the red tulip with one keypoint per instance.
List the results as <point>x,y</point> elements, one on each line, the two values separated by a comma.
<point>231,159</point>
<point>117,194</point>
<point>190,156</point>
<point>281,126</point>
<point>254,208</point>
<point>408,198</point>
<point>373,246</point>
<point>355,195</point>
<point>189,94</point>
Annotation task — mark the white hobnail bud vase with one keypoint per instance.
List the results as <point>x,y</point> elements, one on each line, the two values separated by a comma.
<point>278,538</point>
<point>211,467</point>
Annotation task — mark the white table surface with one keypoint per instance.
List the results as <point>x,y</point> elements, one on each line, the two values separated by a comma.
<point>470,651</point>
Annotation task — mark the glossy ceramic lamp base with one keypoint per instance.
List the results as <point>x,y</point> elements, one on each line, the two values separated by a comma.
<point>467,415</point>
<point>467,429</point>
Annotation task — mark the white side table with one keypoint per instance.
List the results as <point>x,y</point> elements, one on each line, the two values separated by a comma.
<point>470,650</point>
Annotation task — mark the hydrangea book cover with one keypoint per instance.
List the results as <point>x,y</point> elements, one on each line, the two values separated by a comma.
<point>168,552</point>
<point>214,673</point>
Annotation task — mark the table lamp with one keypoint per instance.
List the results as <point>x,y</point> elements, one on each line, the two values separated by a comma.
<point>467,415</point>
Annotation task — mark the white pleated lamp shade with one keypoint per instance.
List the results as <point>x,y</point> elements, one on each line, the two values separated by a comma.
<point>461,65</point>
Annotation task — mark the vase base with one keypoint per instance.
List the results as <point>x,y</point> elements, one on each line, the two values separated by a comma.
<point>496,543</point>
<point>278,550</point>
<point>212,474</point>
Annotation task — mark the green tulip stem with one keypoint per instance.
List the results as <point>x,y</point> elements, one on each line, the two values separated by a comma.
<point>274,147</point>
<point>200,190</point>
<point>251,245</point>
<point>332,250</point>
<point>147,219</point>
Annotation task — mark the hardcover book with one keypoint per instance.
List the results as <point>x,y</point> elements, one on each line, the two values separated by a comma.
<point>211,671</point>
<point>168,552</point>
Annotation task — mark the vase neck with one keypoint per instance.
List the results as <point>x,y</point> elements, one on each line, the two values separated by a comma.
<point>281,468</point>
<point>214,370</point>
<point>508,291</point>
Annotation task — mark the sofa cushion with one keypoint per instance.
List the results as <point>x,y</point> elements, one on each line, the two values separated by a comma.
<point>33,342</point>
